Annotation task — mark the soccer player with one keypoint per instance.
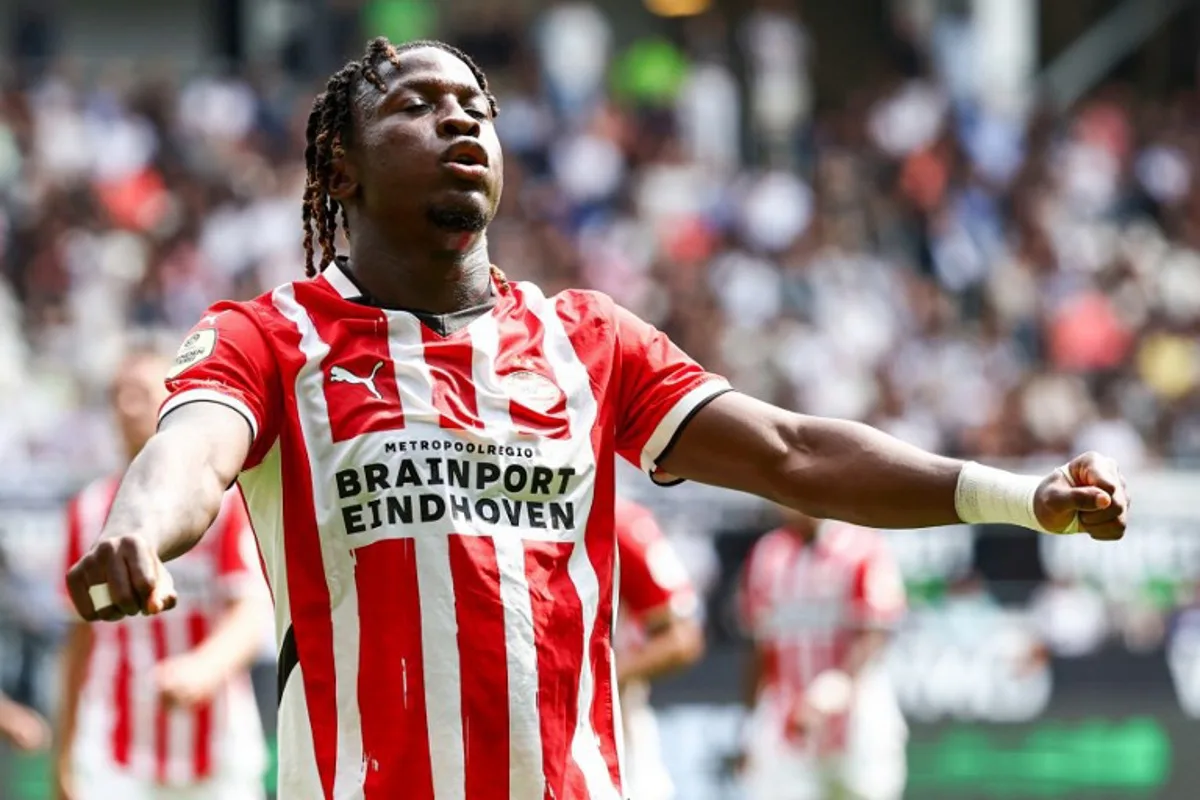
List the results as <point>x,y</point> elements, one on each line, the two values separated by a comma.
<point>658,632</point>
<point>427,453</point>
<point>818,600</point>
<point>161,708</point>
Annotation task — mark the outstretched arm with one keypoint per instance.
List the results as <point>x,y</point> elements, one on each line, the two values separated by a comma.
<point>169,497</point>
<point>833,469</point>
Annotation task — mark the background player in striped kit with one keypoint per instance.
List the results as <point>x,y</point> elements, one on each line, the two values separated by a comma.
<point>161,708</point>
<point>658,632</point>
<point>818,600</point>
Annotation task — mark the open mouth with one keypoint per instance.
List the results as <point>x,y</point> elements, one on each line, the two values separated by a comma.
<point>466,154</point>
<point>467,161</point>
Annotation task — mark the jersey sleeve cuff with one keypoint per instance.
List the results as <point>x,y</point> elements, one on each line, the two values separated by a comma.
<point>210,396</point>
<point>663,438</point>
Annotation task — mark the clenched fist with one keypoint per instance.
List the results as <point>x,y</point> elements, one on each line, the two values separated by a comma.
<point>1090,487</point>
<point>130,569</point>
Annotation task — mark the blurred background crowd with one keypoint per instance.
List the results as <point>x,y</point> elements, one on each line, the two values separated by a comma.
<point>909,229</point>
<point>977,275</point>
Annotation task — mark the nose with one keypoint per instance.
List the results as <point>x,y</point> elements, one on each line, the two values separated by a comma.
<point>457,122</point>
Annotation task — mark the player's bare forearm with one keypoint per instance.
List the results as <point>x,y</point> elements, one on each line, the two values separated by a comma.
<point>829,469</point>
<point>172,491</point>
<point>167,496</point>
<point>167,500</point>
<point>833,469</point>
<point>196,676</point>
<point>236,637</point>
<point>670,647</point>
<point>73,672</point>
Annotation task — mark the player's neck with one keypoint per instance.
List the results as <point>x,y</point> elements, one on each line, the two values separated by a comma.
<point>449,273</point>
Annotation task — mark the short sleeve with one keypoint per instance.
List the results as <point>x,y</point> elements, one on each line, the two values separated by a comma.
<point>660,389</point>
<point>652,575</point>
<point>879,599</point>
<point>226,359</point>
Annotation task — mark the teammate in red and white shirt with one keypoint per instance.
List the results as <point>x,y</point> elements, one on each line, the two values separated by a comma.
<point>427,453</point>
<point>658,632</point>
<point>818,600</point>
<point>161,708</point>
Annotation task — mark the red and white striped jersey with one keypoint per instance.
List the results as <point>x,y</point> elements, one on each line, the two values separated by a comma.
<point>435,514</point>
<point>802,602</point>
<point>121,722</point>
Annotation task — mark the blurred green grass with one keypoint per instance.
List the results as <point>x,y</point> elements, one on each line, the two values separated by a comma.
<point>30,776</point>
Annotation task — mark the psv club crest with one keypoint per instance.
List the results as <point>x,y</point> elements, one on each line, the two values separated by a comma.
<point>535,392</point>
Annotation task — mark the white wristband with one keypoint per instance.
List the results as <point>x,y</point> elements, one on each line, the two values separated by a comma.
<point>988,495</point>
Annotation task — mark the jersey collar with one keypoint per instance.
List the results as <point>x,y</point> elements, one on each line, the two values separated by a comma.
<point>341,283</point>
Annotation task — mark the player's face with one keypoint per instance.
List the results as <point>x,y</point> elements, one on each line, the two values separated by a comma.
<point>137,393</point>
<point>427,148</point>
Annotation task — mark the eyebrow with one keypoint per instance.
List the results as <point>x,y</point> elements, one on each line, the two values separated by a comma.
<point>431,81</point>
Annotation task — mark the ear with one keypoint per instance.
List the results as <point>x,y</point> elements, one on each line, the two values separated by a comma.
<point>343,177</point>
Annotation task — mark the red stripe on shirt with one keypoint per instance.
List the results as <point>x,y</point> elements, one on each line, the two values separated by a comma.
<point>449,363</point>
<point>558,638</point>
<point>122,733</point>
<point>202,741</point>
<point>363,361</point>
<point>308,591</point>
<point>391,680</point>
<point>522,350</point>
<point>600,538</point>
<point>483,661</point>
<point>600,541</point>
<point>158,640</point>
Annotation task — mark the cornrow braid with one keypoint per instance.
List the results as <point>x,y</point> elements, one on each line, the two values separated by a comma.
<point>330,129</point>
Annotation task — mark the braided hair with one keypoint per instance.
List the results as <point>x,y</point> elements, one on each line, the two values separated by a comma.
<point>331,127</point>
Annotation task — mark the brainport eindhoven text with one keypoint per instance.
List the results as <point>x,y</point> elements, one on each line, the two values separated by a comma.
<point>465,490</point>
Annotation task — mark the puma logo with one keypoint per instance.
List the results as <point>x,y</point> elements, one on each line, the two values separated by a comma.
<point>343,375</point>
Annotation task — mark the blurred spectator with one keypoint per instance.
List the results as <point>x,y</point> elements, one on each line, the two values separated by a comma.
<point>573,38</point>
<point>778,50</point>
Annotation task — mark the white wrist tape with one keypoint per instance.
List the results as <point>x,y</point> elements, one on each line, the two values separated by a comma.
<point>988,495</point>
